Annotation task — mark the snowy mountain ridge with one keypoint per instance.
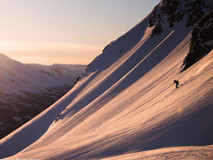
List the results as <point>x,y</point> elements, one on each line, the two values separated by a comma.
<point>25,90</point>
<point>126,107</point>
<point>15,76</point>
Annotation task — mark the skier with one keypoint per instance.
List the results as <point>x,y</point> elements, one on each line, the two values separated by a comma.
<point>176,82</point>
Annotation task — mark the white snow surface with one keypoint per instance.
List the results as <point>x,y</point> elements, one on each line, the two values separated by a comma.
<point>62,72</point>
<point>17,78</point>
<point>126,106</point>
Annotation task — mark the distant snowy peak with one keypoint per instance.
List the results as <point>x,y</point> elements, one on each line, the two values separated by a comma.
<point>172,12</point>
<point>17,77</point>
<point>5,61</point>
<point>26,90</point>
<point>3,57</point>
<point>61,71</point>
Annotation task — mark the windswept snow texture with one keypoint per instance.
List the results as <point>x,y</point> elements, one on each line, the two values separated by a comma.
<point>126,107</point>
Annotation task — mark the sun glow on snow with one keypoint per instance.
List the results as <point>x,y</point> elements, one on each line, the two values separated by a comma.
<point>180,110</point>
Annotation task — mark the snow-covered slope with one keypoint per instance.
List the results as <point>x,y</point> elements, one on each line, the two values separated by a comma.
<point>25,90</point>
<point>126,107</point>
<point>17,77</point>
<point>62,72</point>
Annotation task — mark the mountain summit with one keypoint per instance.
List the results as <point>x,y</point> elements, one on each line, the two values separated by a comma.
<point>125,106</point>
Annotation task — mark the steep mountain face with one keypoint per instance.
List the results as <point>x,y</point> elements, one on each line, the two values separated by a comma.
<point>199,12</point>
<point>172,12</point>
<point>125,106</point>
<point>23,88</point>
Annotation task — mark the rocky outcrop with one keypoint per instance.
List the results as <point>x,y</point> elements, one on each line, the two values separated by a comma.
<point>201,41</point>
<point>173,11</point>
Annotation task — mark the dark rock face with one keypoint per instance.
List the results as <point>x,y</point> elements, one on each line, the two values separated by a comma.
<point>195,11</point>
<point>173,11</point>
<point>201,41</point>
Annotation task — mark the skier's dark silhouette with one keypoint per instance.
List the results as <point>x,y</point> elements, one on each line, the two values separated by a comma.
<point>176,82</point>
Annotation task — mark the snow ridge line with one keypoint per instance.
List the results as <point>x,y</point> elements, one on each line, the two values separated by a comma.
<point>111,88</point>
<point>144,58</point>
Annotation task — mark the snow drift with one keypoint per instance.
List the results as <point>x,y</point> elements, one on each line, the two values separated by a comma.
<point>126,107</point>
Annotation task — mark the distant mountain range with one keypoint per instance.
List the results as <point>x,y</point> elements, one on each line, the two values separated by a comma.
<point>126,105</point>
<point>28,89</point>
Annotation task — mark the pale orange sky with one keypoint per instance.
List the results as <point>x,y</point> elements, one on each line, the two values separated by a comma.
<point>50,52</point>
<point>65,31</point>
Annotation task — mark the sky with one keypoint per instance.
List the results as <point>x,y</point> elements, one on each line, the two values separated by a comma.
<point>65,31</point>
